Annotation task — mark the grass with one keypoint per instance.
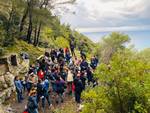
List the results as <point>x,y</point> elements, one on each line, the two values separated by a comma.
<point>22,46</point>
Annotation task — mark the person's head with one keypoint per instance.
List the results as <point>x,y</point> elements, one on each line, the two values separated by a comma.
<point>83,58</point>
<point>58,78</point>
<point>33,65</point>
<point>41,70</point>
<point>16,78</point>
<point>43,60</point>
<point>39,81</point>
<point>32,92</point>
<point>32,75</point>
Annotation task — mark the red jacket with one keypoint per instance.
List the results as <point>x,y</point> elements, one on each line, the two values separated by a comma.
<point>41,74</point>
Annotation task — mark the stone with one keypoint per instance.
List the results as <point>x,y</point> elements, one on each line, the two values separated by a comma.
<point>6,109</point>
<point>1,109</point>
<point>5,86</point>
<point>5,94</point>
<point>2,83</point>
<point>9,79</point>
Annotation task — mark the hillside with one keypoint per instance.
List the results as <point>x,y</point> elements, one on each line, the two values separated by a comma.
<point>31,27</point>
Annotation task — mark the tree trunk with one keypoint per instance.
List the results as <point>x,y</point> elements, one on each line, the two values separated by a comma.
<point>29,30</point>
<point>38,35</point>
<point>30,5</point>
<point>35,36</point>
<point>23,20</point>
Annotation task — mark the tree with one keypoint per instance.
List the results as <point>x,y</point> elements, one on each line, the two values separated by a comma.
<point>10,12</point>
<point>39,6</point>
<point>124,86</point>
<point>110,44</point>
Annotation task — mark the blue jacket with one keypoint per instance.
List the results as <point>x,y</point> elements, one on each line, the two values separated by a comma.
<point>46,85</point>
<point>18,85</point>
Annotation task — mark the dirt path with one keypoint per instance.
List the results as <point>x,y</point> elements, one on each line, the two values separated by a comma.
<point>68,106</point>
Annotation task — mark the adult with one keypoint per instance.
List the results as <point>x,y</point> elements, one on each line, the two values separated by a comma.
<point>69,81</point>
<point>84,64</point>
<point>89,76</point>
<point>19,89</point>
<point>39,90</point>
<point>60,85</point>
<point>41,74</point>
<point>53,55</point>
<point>94,62</point>
<point>78,88</point>
<point>46,94</point>
<point>32,105</point>
<point>72,47</point>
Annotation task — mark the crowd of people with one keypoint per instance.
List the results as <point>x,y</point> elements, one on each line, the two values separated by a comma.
<point>56,74</point>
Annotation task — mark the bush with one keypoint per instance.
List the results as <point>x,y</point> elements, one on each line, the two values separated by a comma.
<point>124,86</point>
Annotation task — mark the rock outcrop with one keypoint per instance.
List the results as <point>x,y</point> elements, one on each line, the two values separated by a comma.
<point>6,109</point>
<point>10,66</point>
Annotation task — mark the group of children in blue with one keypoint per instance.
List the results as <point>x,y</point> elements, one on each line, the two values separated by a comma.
<point>58,73</point>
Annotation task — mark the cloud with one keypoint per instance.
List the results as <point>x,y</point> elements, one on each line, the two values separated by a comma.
<point>108,13</point>
<point>118,9</point>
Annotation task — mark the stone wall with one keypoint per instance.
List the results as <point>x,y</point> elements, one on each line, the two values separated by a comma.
<point>6,109</point>
<point>10,66</point>
<point>6,86</point>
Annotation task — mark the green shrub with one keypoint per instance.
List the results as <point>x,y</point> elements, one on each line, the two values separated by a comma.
<point>124,86</point>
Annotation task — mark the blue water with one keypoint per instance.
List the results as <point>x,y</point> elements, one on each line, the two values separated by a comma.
<point>140,39</point>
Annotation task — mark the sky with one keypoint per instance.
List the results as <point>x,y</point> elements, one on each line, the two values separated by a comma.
<point>97,18</point>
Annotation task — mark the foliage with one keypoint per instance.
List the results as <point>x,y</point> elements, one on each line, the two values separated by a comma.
<point>110,44</point>
<point>124,86</point>
<point>61,42</point>
<point>33,21</point>
<point>9,20</point>
<point>145,55</point>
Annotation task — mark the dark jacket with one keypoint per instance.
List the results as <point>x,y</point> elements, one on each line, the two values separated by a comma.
<point>89,75</point>
<point>39,89</point>
<point>78,85</point>
<point>60,86</point>
<point>84,65</point>
<point>32,105</point>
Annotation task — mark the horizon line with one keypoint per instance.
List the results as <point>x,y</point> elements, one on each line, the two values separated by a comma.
<point>112,29</point>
